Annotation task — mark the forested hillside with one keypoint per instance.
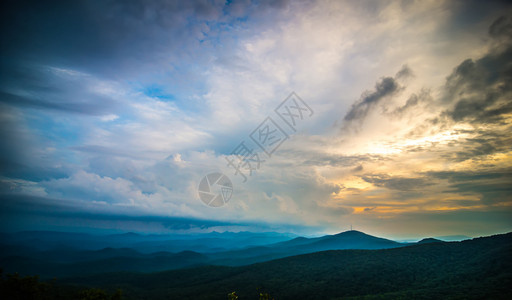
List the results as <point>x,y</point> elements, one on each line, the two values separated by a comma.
<point>474,269</point>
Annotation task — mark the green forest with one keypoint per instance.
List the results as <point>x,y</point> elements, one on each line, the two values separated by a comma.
<point>473,269</point>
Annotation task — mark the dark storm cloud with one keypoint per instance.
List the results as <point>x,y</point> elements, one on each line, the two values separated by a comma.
<point>11,151</point>
<point>45,88</point>
<point>385,88</point>
<point>481,90</point>
<point>412,103</point>
<point>101,31</point>
<point>333,160</point>
<point>357,169</point>
<point>113,37</point>
<point>396,183</point>
<point>20,151</point>
<point>15,210</point>
<point>492,187</point>
<point>484,143</point>
<point>97,106</point>
<point>27,94</point>
<point>405,72</point>
<point>501,28</point>
<point>24,206</point>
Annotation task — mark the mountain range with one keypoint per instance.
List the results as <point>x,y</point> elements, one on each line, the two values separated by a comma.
<point>348,265</point>
<point>473,269</point>
<point>56,254</point>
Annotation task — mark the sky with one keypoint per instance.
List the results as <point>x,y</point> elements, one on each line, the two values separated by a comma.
<point>112,112</point>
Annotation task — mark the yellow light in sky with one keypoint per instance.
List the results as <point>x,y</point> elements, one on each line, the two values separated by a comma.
<point>387,147</point>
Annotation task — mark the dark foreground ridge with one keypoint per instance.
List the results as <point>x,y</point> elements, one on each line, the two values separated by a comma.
<point>472,269</point>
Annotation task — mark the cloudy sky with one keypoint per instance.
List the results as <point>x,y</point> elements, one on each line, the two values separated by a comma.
<point>111,113</point>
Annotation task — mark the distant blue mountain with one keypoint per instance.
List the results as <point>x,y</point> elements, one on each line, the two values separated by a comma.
<point>345,240</point>
<point>429,240</point>
<point>453,238</point>
<point>474,269</point>
<point>203,242</point>
<point>64,254</point>
<point>352,239</point>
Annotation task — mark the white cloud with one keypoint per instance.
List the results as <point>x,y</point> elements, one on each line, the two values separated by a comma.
<point>109,118</point>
